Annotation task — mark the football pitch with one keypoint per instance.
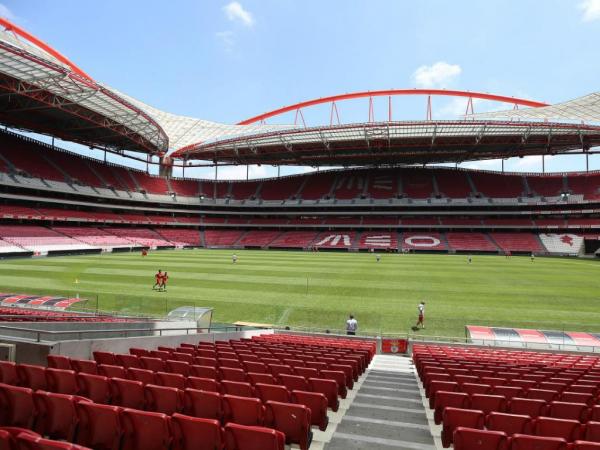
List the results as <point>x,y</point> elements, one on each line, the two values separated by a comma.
<point>319,290</point>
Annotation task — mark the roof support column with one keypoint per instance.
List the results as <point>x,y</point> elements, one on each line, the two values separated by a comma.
<point>587,162</point>
<point>216,178</point>
<point>543,163</point>
<point>502,165</point>
<point>247,172</point>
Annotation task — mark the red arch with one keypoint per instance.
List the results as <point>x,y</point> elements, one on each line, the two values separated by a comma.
<point>393,92</point>
<point>41,44</point>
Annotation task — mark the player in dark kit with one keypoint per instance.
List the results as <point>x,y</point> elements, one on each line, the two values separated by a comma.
<point>158,278</point>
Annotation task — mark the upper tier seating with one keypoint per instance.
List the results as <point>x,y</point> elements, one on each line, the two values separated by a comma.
<point>453,184</point>
<point>517,242</point>
<point>547,186</point>
<point>28,157</point>
<point>244,190</point>
<point>210,189</point>
<point>188,188</point>
<point>142,236</point>
<point>75,168</point>
<point>587,185</point>
<point>417,183</point>
<point>382,184</point>
<point>350,186</point>
<point>470,242</point>
<point>497,185</point>
<point>294,239</point>
<point>38,239</point>
<point>317,185</point>
<point>280,189</point>
<point>151,184</point>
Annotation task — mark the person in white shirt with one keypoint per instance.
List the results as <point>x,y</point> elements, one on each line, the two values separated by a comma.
<point>377,257</point>
<point>351,325</point>
<point>234,258</point>
<point>421,320</point>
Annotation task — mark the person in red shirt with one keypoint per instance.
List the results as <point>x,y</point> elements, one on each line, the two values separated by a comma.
<point>163,285</point>
<point>158,278</point>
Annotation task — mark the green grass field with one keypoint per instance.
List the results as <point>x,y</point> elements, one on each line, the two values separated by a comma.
<point>320,289</point>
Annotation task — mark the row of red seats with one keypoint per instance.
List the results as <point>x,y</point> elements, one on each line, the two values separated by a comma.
<point>474,439</point>
<point>16,438</point>
<point>512,424</point>
<point>110,427</point>
<point>32,315</point>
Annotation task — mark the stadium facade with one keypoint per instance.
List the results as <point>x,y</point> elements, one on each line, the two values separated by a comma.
<point>385,197</point>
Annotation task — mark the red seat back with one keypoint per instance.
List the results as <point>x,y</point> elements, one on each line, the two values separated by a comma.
<point>292,420</point>
<point>193,433</point>
<point>272,392</point>
<point>240,437</point>
<point>99,426</point>
<point>473,439</point>
<point>527,442</point>
<point>144,430</point>
<point>243,410</point>
<point>207,405</point>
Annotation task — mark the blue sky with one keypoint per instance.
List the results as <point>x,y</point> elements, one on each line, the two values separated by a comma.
<point>229,60</point>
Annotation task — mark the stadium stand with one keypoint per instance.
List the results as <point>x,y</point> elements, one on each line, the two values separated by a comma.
<point>180,236</point>
<point>417,184</point>
<point>351,186</point>
<point>141,236</point>
<point>517,242</point>
<point>422,241</point>
<point>66,401</point>
<point>294,239</point>
<point>382,184</point>
<point>258,238</point>
<point>470,242</point>
<point>478,391</point>
<point>453,185</point>
<point>374,240</point>
<point>221,238</point>
<point>497,185</point>
<point>94,236</point>
<point>38,239</point>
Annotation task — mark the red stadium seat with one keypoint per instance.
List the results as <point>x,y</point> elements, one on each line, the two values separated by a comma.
<point>33,377</point>
<point>272,392</point>
<point>184,357</point>
<point>294,382</point>
<point>577,397</point>
<point>585,445</point>
<point>564,410</point>
<point>203,361</point>
<point>264,378</point>
<point>542,394</point>
<point>527,406</point>
<point>193,433</point>
<point>256,367</point>
<point>8,373</point>
<point>139,352</point>
<point>57,417</point>
<point>526,442</point>
<point>475,388</point>
<point>203,384</point>
<point>207,405</point>
<point>85,366</point>
<point>128,361</point>
<point>444,399</point>
<point>509,423</point>
<point>488,403</point>
<point>204,372</point>
<point>232,374</point>
<point>243,410</point>
<point>59,362</point>
<point>240,389</point>
<point>127,393</point>
<point>94,387</point>
<point>317,403</point>
<point>105,358</point>
<point>592,431</point>
<point>474,439</point>
<point>28,441</point>
<point>175,380</point>
<point>143,375</point>
<point>328,388</point>
<point>180,367</point>
<point>16,406</point>
<point>166,400</point>
<point>99,426</point>
<point>145,430</point>
<point>153,364</point>
<point>453,418</point>
<point>62,381</point>
<point>307,372</point>
<point>292,420</point>
<point>234,363</point>
<point>110,371</point>
<point>507,391</point>
<point>570,430</point>
<point>240,437</point>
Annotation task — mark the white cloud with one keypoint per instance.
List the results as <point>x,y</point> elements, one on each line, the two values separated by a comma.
<point>236,13</point>
<point>227,38</point>
<point>7,13</point>
<point>590,10</point>
<point>437,75</point>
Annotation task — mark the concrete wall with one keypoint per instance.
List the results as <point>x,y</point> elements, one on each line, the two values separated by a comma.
<point>93,330</point>
<point>36,352</point>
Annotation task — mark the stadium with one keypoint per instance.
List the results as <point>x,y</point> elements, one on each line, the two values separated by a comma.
<point>246,344</point>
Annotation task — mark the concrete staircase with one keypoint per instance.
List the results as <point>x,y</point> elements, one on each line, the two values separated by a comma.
<point>385,411</point>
